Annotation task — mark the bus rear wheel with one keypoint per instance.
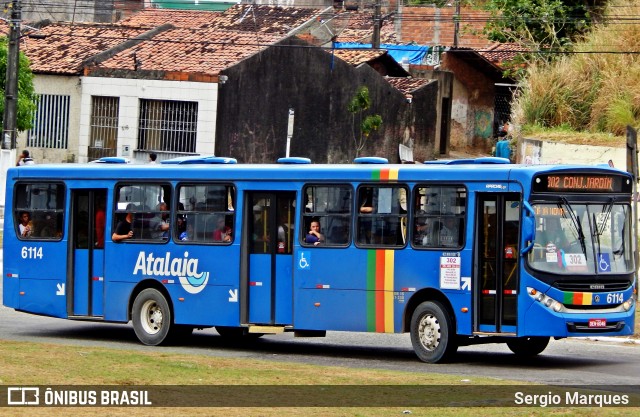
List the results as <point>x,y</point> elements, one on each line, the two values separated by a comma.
<point>432,333</point>
<point>528,346</point>
<point>151,317</point>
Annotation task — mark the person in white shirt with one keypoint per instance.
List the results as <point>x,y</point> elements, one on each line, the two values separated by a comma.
<point>25,159</point>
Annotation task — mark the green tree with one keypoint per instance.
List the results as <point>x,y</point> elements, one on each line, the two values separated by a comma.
<point>27,97</point>
<point>367,124</point>
<point>544,27</point>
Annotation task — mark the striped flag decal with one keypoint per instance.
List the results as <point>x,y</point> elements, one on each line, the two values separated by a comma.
<point>578,298</point>
<point>380,291</point>
<point>380,265</point>
<point>385,174</point>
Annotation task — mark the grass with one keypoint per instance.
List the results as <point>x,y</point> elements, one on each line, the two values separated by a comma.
<point>586,91</point>
<point>23,365</point>
<point>564,134</point>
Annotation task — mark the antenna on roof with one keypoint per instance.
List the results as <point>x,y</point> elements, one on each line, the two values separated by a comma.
<point>249,9</point>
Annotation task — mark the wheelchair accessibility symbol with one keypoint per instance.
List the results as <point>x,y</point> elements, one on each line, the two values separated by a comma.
<point>304,261</point>
<point>604,265</point>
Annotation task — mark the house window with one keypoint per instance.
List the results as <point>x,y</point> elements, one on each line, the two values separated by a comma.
<point>50,123</point>
<point>103,137</point>
<point>168,126</point>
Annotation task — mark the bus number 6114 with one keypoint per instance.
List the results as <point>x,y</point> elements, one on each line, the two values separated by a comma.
<point>615,297</point>
<point>31,253</point>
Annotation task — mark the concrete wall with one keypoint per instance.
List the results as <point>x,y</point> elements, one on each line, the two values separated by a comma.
<point>254,103</point>
<point>65,86</point>
<point>533,151</point>
<point>473,103</point>
<point>131,91</point>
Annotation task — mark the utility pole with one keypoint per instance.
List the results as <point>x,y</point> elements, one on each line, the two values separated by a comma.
<point>377,22</point>
<point>456,24</point>
<point>9,120</point>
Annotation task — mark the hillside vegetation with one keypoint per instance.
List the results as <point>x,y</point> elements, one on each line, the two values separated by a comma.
<point>592,93</point>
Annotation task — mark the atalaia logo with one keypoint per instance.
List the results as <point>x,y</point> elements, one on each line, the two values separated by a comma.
<point>185,269</point>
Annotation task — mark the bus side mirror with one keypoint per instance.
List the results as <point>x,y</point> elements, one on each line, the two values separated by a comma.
<point>528,227</point>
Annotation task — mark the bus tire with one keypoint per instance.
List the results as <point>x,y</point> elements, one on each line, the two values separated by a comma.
<point>151,317</point>
<point>528,346</point>
<point>432,333</point>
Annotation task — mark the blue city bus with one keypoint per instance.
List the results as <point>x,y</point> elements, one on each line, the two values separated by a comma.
<point>455,253</point>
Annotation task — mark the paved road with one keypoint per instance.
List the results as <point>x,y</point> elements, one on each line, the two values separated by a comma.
<point>564,362</point>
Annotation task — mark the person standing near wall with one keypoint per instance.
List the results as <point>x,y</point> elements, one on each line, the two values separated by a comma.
<point>25,159</point>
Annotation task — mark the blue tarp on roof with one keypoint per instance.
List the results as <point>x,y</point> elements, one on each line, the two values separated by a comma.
<point>414,53</point>
<point>208,5</point>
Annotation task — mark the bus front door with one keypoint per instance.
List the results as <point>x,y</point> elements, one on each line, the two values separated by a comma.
<point>270,226</point>
<point>496,277</point>
<point>86,281</point>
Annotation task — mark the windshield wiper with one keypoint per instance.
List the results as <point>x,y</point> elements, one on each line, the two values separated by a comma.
<point>576,224</point>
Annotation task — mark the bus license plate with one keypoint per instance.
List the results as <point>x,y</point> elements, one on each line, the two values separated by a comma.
<point>597,323</point>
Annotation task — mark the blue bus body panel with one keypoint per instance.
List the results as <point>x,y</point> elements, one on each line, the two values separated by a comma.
<point>37,269</point>
<point>43,296</point>
<point>165,263</point>
<point>260,289</point>
<point>284,290</point>
<point>326,297</point>
<point>97,283</point>
<point>82,282</point>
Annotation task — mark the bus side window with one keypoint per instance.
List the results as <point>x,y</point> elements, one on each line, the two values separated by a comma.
<point>205,213</point>
<point>382,216</point>
<point>438,216</point>
<point>39,210</point>
<point>330,206</point>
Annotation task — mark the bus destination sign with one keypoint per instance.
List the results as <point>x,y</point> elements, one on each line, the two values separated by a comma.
<point>581,183</point>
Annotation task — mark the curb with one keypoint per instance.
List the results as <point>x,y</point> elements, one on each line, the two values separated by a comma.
<point>615,339</point>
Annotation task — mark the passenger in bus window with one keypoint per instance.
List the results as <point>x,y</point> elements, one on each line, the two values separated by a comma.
<point>285,230</point>
<point>366,201</point>
<point>100,223</point>
<point>159,223</point>
<point>25,226</point>
<point>421,237</point>
<point>181,227</point>
<point>222,233</point>
<point>123,228</point>
<point>449,232</point>
<point>314,236</point>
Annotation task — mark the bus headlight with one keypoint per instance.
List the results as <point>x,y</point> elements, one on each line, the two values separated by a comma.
<point>628,304</point>
<point>545,300</point>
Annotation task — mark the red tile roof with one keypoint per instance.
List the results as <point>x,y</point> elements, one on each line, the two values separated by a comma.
<point>357,56</point>
<point>407,85</point>
<point>500,52</point>
<point>67,46</point>
<point>150,18</point>
<point>199,51</point>
<point>241,17</point>
<point>358,27</point>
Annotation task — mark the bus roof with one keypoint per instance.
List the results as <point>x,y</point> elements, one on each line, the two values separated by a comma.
<point>297,171</point>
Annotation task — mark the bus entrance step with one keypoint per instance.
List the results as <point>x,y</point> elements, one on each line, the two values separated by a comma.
<point>266,329</point>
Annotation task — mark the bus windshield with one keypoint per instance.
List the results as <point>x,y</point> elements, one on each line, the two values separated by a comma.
<point>578,238</point>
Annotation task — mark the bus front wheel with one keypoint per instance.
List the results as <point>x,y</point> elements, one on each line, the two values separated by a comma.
<point>432,333</point>
<point>528,346</point>
<point>151,317</point>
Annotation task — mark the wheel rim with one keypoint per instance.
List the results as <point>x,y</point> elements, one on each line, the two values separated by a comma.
<point>429,332</point>
<point>151,317</point>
